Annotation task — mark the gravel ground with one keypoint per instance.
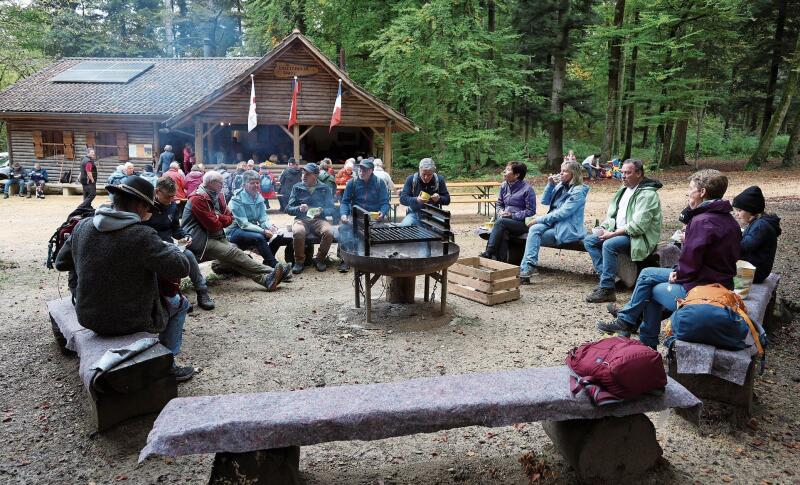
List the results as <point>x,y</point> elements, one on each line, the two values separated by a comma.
<point>303,336</point>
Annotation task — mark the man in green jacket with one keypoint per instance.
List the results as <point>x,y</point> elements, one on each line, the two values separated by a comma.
<point>632,226</point>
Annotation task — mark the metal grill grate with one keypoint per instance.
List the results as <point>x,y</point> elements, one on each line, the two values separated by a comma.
<point>391,234</point>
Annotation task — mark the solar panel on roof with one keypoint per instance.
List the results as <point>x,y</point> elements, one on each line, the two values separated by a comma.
<point>119,72</point>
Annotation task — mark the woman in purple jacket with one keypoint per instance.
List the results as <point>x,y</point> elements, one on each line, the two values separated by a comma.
<point>708,255</point>
<point>516,201</point>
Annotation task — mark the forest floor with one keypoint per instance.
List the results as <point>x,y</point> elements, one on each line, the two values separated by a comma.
<point>306,334</point>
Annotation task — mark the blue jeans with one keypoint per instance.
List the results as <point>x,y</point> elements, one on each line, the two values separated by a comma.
<point>591,171</point>
<point>411,219</point>
<point>20,183</point>
<point>172,336</point>
<point>538,235</point>
<point>604,256</point>
<point>248,239</point>
<point>653,294</point>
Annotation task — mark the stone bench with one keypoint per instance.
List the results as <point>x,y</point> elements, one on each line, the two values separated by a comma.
<point>725,376</point>
<point>139,385</point>
<point>257,436</point>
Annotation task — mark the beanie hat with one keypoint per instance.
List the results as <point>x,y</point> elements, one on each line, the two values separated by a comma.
<point>751,200</point>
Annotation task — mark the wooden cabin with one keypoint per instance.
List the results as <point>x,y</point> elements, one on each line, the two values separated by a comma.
<point>129,109</point>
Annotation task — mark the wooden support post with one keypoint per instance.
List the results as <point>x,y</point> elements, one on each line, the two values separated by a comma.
<point>387,147</point>
<point>156,141</point>
<point>400,289</point>
<point>427,287</point>
<point>296,142</point>
<point>368,297</point>
<point>198,141</point>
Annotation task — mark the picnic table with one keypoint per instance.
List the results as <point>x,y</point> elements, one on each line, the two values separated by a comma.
<point>482,194</point>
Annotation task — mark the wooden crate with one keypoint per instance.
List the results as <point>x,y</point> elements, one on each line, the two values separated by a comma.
<point>483,280</point>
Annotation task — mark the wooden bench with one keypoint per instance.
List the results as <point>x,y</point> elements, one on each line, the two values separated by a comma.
<point>140,385</point>
<point>730,377</point>
<point>258,436</point>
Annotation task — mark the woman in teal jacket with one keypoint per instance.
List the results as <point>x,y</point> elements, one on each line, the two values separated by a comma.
<point>563,222</point>
<point>251,226</point>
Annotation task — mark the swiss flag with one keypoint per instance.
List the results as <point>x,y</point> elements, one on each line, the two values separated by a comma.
<point>293,109</point>
<point>336,117</point>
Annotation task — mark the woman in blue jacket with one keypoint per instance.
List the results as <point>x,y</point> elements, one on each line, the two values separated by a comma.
<point>563,222</point>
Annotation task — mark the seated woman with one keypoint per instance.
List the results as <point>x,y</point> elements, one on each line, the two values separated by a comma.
<point>760,231</point>
<point>566,195</point>
<point>516,201</point>
<point>251,227</point>
<point>708,255</point>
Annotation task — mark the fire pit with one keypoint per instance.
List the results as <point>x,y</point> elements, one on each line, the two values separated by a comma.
<point>401,254</point>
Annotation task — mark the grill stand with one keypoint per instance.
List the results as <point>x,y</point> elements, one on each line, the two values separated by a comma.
<point>400,289</point>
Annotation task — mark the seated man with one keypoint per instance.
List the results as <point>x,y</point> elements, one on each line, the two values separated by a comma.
<point>708,256</point>
<point>16,177</point>
<point>565,194</point>
<point>167,225</point>
<point>36,179</point>
<point>428,181</point>
<point>632,226</point>
<point>384,176</point>
<point>120,264</point>
<point>760,231</point>
<point>311,202</point>
<point>367,192</point>
<point>251,226</point>
<point>117,175</point>
<point>205,217</point>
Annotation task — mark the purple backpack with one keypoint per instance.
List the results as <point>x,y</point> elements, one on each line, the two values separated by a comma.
<point>615,369</point>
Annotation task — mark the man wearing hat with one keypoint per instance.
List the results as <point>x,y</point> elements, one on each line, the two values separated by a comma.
<point>366,191</point>
<point>425,180</point>
<point>760,231</point>
<point>127,277</point>
<point>311,202</point>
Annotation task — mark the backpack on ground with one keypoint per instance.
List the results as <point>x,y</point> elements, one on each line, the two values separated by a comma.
<point>615,369</point>
<point>715,315</point>
<point>58,238</point>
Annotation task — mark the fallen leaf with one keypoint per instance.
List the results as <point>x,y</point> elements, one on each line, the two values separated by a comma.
<point>727,478</point>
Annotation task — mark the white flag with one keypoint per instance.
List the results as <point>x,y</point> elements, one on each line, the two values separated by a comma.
<point>252,117</point>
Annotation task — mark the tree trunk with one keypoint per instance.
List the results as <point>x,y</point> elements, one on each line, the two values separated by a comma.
<point>677,154</point>
<point>789,88</point>
<point>170,34</point>
<point>777,45</point>
<point>629,90</point>
<point>665,144</point>
<point>614,61</point>
<point>697,133</point>
<point>790,155</point>
<point>491,105</point>
<point>555,150</point>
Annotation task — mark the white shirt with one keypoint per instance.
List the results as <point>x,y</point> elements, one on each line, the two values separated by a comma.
<point>387,179</point>
<point>588,160</point>
<point>622,207</point>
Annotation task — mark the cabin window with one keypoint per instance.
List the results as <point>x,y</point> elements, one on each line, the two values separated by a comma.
<point>105,144</point>
<point>52,144</point>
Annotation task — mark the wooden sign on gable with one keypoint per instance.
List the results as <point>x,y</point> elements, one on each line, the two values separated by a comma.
<point>288,70</point>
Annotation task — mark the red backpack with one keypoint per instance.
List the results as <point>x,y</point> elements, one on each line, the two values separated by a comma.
<point>615,369</point>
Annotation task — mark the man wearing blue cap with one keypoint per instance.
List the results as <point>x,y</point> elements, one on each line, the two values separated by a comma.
<point>311,202</point>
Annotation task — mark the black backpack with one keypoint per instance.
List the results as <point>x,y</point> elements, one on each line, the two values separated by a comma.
<point>64,231</point>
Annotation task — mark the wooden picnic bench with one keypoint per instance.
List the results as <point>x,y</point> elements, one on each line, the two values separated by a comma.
<point>139,385</point>
<point>257,436</point>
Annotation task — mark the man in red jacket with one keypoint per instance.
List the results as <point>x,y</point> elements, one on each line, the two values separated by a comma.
<point>205,217</point>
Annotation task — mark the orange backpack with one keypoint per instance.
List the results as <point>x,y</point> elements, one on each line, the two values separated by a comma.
<point>717,295</point>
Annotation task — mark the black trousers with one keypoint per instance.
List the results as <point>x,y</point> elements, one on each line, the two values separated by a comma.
<point>503,229</point>
<point>89,193</point>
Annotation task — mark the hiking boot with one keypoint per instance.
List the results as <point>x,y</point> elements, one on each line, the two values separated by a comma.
<point>182,373</point>
<point>344,267</point>
<point>5,196</point>
<point>487,255</point>
<point>320,265</point>
<point>287,272</point>
<point>528,272</point>
<point>29,195</point>
<point>616,326</point>
<point>204,301</point>
<point>600,295</point>
<point>272,280</point>
<point>613,309</point>
<point>298,268</point>
<point>39,196</point>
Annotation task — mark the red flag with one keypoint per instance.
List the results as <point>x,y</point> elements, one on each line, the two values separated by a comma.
<point>293,109</point>
<point>336,117</point>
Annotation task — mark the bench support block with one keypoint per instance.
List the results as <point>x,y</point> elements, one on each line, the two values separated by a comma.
<point>738,399</point>
<point>608,449</point>
<point>111,408</point>
<point>278,466</point>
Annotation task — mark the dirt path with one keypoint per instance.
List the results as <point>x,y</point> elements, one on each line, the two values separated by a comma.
<point>304,336</point>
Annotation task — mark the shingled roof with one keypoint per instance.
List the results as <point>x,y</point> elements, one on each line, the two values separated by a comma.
<point>170,86</point>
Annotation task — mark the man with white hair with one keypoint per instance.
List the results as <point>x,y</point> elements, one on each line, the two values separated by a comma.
<point>165,159</point>
<point>384,175</point>
<point>205,218</point>
<point>423,187</point>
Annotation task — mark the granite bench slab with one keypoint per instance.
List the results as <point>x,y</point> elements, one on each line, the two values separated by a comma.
<point>759,298</point>
<point>139,385</point>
